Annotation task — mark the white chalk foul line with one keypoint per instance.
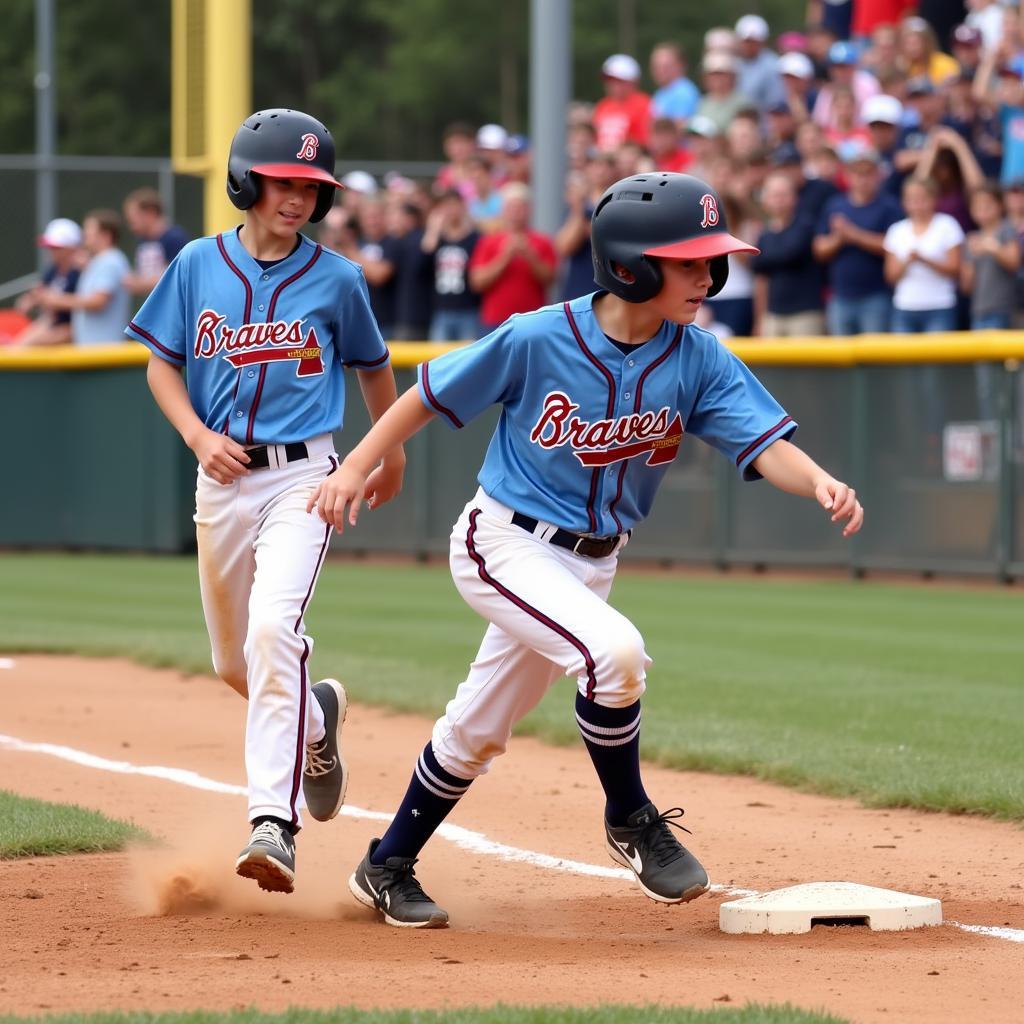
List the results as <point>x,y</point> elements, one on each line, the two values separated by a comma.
<point>464,838</point>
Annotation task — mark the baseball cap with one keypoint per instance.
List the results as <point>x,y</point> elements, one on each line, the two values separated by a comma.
<point>516,144</point>
<point>701,124</point>
<point>796,64</point>
<point>881,109</point>
<point>785,153</point>
<point>491,136</point>
<point>621,66</point>
<point>61,233</point>
<point>856,151</point>
<point>921,86</point>
<point>718,61</point>
<point>792,42</point>
<point>719,39</point>
<point>360,181</point>
<point>842,52</point>
<point>966,35</point>
<point>752,26</point>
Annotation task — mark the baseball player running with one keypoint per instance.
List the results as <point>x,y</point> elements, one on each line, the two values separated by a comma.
<point>264,321</point>
<point>595,395</point>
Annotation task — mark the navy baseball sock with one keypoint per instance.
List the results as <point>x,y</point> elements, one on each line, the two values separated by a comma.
<point>431,795</point>
<point>612,737</point>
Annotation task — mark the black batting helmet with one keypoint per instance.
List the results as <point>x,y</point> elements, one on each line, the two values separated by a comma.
<point>675,216</point>
<point>281,144</point>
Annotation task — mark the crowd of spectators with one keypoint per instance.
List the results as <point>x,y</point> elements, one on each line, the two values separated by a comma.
<point>875,156</point>
<point>85,295</point>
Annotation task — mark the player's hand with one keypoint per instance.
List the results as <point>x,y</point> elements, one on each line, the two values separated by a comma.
<point>841,500</point>
<point>344,487</point>
<point>223,459</point>
<point>385,481</point>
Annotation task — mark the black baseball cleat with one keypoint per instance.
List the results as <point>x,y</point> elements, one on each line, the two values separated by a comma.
<point>269,858</point>
<point>394,890</point>
<point>325,776</point>
<point>663,867</point>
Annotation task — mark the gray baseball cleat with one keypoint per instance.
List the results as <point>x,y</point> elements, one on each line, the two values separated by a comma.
<point>269,858</point>
<point>325,777</point>
<point>394,891</point>
<point>662,866</point>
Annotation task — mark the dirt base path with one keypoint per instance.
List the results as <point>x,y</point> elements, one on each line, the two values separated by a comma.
<point>113,931</point>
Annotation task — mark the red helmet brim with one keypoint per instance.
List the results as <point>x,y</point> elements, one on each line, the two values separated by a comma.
<point>296,171</point>
<point>701,248</point>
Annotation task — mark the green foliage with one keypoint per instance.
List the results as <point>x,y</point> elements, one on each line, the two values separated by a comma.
<point>898,695</point>
<point>34,828</point>
<point>752,1014</point>
<point>386,75</point>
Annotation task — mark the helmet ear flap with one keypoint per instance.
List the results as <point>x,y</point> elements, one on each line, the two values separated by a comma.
<point>324,201</point>
<point>719,274</point>
<point>243,188</point>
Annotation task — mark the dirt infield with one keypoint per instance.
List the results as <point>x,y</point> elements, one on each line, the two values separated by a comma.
<point>173,928</point>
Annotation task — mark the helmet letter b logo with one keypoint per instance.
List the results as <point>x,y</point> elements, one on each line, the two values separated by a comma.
<point>709,206</point>
<point>307,151</point>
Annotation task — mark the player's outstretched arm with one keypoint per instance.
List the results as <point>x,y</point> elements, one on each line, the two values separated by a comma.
<point>794,471</point>
<point>222,458</point>
<point>379,394</point>
<point>346,486</point>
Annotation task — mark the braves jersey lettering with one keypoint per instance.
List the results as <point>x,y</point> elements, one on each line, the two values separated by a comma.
<point>594,443</point>
<point>265,349</point>
<point>586,433</point>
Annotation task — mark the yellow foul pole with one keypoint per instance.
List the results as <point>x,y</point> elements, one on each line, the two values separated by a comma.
<point>211,95</point>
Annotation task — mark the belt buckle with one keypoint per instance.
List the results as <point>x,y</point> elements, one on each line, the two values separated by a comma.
<point>579,540</point>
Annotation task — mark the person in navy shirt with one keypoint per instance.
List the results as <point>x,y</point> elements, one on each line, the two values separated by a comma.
<point>596,397</point>
<point>849,238</point>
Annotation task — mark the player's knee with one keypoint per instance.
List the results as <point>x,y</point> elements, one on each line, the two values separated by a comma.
<point>265,638</point>
<point>625,668</point>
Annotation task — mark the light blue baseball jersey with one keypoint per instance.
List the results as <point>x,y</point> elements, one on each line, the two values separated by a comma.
<point>264,348</point>
<point>586,433</point>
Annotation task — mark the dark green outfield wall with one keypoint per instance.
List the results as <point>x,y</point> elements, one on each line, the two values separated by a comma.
<point>90,463</point>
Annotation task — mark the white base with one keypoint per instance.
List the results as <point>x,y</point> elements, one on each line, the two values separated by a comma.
<point>794,910</point>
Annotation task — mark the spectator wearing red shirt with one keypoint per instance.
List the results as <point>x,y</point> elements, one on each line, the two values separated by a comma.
<point>869,14</point>
<point>624,114</point>
<point>666,147</point>
<point>512,268</point>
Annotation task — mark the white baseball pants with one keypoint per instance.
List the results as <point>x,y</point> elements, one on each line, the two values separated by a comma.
<point>260,554</point>
<point>548,615</point>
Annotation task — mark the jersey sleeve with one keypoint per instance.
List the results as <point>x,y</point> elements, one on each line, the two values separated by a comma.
<point>736,414</point>
<point>160,323</point>
<point>462,383</point>
<point>361,346</point>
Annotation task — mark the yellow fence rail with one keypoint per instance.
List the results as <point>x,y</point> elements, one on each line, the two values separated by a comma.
<point>866,349</point>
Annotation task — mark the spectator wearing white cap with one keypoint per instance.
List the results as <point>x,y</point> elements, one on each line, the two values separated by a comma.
<point>676,96</point>
<point>720,40</point>
<point>491,140</point>
<point>61,239</point>
<point>722,101</point>
<point>757,66</point>
<point>623,114</point>
<point>99,306</point>
<point>882,115</point>
<point>796,72</point>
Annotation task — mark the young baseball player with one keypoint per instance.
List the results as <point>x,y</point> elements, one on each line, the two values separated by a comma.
<point>264,321</point>
<point>595,395</point>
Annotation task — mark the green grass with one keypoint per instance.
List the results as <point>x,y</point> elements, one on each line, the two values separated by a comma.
<point>752,1014</point>
<point>34,828</point>
<point>900,695</point>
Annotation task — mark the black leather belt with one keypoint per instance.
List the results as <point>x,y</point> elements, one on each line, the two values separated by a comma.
<point>259,457</point>
<point>578,543</point>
